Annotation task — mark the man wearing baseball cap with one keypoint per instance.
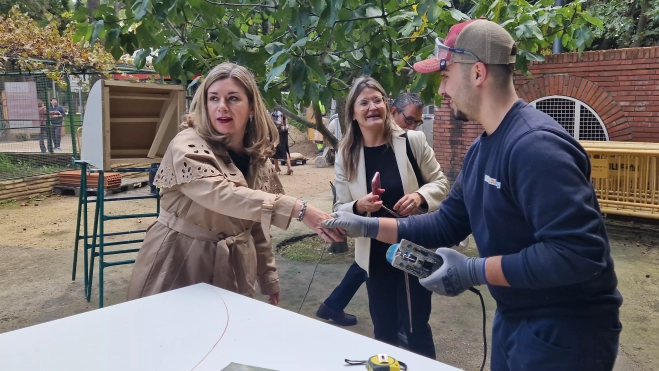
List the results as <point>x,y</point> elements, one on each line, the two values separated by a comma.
<point>524,192</point>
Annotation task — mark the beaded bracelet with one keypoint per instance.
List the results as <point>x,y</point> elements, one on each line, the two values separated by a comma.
<point>303,209</point>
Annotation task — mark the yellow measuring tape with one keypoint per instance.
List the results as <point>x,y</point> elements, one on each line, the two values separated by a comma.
<point>380,362</point>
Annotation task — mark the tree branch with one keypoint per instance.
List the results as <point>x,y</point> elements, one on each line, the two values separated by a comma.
<point>234,4</point>
<point>404,7</point>
<point>317,126</point>
<point>391,43</point>
<point>357,19</point>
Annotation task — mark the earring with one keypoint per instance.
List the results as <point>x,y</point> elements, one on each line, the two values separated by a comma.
<point>251,119</point>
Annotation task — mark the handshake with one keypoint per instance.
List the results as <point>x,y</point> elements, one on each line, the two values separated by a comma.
<point>457,273</point>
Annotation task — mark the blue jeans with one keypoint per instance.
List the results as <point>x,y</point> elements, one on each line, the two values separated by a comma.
<point>555,343</point>
<point>343,293</point>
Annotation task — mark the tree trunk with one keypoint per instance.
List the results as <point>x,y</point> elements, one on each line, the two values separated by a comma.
<point>320,127</point>
<point>627,37</point>
<point>92,5</point>
<point>341,111</point>
<point>642,21</point>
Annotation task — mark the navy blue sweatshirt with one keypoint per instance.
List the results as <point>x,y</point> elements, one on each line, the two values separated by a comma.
<point>525,193</point>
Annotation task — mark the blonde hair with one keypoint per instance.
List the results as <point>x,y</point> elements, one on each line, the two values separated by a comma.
<point>261,136</point>
<point>353,141</point>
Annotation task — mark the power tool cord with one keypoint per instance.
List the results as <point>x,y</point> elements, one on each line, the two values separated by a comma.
<point>312,276</point>
<point>477,292</point>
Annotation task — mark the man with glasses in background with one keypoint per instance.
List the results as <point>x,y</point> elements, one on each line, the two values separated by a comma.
<point>524,192</point>
<point>408,111</point>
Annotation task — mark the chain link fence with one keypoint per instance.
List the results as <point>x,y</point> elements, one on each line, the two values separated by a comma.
<point>40,120</point>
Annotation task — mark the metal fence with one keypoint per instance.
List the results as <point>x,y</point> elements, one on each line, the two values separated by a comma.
<point>34,138</point>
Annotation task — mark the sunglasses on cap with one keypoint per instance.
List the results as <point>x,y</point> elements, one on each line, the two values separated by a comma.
<point>443,53</point>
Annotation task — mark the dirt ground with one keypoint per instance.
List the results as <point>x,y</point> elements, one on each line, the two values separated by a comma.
<point>37,247</point>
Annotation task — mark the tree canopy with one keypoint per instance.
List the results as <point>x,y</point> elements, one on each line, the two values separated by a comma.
<point>628,23</point>
<point>305,51</point>
<point>25,42</point>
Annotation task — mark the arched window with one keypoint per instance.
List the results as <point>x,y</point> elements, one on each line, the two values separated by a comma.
<point>575,116</point>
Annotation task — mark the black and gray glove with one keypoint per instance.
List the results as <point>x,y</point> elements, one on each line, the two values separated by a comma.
<point>457,274</point>
<point>354,225</point>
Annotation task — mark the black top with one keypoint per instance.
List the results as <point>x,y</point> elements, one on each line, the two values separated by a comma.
<point>241,160</point>
<point>382,159</point>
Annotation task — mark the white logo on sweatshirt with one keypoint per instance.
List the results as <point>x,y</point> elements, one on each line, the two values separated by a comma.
<point>492,181</point>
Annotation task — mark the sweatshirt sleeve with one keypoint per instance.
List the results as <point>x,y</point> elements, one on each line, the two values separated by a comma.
<point>549,179</point>
<point>444,227</point>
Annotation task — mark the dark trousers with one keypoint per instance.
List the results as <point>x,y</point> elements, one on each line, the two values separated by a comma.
<point>57,135</point>
<point>44,139</point>
<point>387,299</point>
<point>343,293</point>
<point>152,175</point>
<point>555,343</point>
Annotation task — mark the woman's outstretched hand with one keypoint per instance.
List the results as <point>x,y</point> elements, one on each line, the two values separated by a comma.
<point>313,218</point>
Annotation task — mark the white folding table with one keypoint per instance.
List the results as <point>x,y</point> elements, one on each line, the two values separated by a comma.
<point>199,327</point>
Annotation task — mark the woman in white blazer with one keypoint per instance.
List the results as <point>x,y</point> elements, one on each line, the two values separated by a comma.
<point>374,143</point>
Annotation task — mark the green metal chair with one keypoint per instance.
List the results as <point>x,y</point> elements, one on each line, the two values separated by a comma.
<point>99,234</point>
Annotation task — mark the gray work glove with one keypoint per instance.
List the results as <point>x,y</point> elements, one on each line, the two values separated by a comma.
<point>354,225</point>
<point>457,274</point>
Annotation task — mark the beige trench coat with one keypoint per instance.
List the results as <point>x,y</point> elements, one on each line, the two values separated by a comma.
<point>214,225</point>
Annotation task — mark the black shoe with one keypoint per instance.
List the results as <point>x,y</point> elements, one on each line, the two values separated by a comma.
<point>340,317</point>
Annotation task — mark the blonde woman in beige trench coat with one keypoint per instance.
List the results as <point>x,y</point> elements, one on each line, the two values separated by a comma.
<point>219,197</point>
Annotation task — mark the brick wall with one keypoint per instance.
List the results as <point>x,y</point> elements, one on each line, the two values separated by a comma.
<point>621,86</point>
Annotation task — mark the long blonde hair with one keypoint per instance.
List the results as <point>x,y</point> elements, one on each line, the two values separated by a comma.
<point>353,141</point>
<point>261,136</point>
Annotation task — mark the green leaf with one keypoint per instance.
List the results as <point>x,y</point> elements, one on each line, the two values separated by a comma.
<point>407,29</point>
<point>176,70</point>
<point>162,54</point>
<point>458,15</point>
<point>315,68</point>
<point>357,54</point>
<point>300,43</point>
<point>112,37</point>
<point>335,6</point>
<point>81,32</point>
<point>531,56</point>
<point>373,11</point>
<point>140,8</point>
<point>140,58</point>
<point>275,72</point>
<point>273,48</point>
<point>299,75</point>
<point>593,20</point>
<point>434,13</point>
<point>195,3</point>
<point>97,28</point>
<point>319,6</point>
<point>311,91</point>
<point>116,52</point>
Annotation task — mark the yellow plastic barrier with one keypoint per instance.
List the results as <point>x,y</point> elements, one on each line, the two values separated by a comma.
<point>625,176</point>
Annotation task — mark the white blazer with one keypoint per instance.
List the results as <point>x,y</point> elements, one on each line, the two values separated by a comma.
<point>434,191</point>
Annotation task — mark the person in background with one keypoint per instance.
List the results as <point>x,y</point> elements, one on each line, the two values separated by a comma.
<point>526,195</point>
<point>219,197</point>
<point>413,182</point>
<point>57,115</point>
<point>282,151</point>
<point>44,138</point>
<point>407,109</point>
